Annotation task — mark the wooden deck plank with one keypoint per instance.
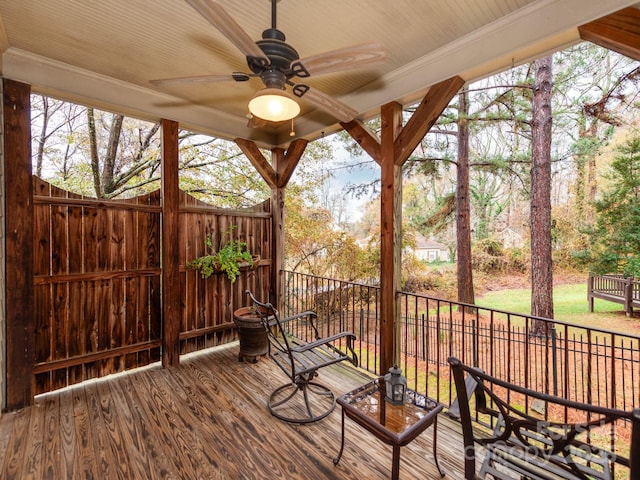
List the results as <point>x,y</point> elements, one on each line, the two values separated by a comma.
<point>162,426</point>
<point>240,424</point>
<point>85,460</point>
<point>67,432</point>
<point>206,418</point>
<point>106,460</point>
<point>159,464</point>
<point>182,427</point>
<point>17,445</point>
<point>51,437</point>
<point>118,429</point>
<point>32,456</point>
<point>191,390</point>
<point>6,427</point>
<point>127,434</point>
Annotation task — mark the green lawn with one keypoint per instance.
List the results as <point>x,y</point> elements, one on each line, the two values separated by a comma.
<point>569,304</point>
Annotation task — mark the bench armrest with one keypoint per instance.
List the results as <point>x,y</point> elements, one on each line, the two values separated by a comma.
<point>537,446</point>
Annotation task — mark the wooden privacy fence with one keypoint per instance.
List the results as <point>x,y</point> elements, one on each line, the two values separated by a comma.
<point>614,288</point>
<point>97,281</point>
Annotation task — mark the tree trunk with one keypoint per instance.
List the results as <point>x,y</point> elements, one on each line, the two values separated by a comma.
<point>463,216</point>
<point>93,149</point>
<point>42,138</point>
<point>109,164</point>
<point>541,261</point>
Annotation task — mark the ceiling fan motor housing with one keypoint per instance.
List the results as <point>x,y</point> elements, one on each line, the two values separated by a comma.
<point>280,54</point>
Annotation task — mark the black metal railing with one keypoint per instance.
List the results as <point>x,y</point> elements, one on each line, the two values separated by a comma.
<point>588,365</point>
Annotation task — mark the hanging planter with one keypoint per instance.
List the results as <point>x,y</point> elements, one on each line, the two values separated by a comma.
<point>230,259</point>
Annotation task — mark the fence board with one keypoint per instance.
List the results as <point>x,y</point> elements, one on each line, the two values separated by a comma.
<point>42,311</point>
<point>41,241</point>
<point>155,315</point>
<point>131,310</point>
<point>76,345</point>
<point>75,257</point>
<point>116,320</point>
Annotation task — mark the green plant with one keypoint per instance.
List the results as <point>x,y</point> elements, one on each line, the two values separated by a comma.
<point>227,259</point>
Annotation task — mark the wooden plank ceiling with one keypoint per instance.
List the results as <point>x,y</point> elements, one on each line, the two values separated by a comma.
<point>105,53</point>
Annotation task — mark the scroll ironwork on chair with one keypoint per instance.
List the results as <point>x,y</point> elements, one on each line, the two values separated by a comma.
<point>523,445</point>
<point>302,400</point>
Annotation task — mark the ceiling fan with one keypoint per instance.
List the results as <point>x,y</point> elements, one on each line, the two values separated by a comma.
<point>276,63</point>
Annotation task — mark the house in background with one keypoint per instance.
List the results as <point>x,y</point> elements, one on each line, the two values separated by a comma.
<point>510,238</point>
<point>429,250</point>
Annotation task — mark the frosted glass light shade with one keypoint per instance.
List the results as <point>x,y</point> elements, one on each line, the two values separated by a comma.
<point>274,105</point>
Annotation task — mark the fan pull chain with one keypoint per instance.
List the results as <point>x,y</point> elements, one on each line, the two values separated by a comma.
<point>292,133</point>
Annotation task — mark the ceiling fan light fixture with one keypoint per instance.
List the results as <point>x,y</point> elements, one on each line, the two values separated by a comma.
<point>274,105</point>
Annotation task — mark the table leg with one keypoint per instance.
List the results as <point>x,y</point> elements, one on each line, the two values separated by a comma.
<point>435,444</point>
<point>337,459</point>
<point>395,465</point>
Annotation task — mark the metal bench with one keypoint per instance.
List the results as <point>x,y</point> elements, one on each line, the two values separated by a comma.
<point>524,445</point>
<point>302,400</point>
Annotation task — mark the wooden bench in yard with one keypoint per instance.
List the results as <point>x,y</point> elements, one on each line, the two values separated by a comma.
<point>614,288</point>
<point>523,444</point>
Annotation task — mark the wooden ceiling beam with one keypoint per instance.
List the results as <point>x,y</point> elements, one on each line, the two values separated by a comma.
<point>430,108</point>
<point>288,161</point>
<point>619,32</point>
<point>258,160</point>
<point>364,137</point>
<point>291,159</point>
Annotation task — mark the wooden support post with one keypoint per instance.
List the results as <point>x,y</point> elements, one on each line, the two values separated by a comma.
<point>394,148</point>
<point>277,232</point>
<point>20,315</point>
<point>277,175</point>
<point>628,296</point>
<point>170,246</point>
<point>390,236</point>
<point>590,292</point>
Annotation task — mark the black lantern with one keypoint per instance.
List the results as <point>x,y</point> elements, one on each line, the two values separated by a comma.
<point>396,385</point>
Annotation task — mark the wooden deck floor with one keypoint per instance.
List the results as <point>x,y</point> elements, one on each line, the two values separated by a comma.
<point>206,419</point>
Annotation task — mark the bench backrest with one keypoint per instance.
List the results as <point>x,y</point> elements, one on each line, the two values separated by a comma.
<point>540,446</point>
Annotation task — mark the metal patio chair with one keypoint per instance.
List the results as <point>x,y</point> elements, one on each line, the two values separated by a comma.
<point>302,400</point>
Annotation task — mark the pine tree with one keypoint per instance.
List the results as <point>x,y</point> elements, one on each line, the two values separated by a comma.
<point>616,238</point>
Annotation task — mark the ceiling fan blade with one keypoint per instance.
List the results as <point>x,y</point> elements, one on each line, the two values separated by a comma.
<point>325,102</point>
<point>219,18</point>
<point>238,77</point>
<point>346,58</point>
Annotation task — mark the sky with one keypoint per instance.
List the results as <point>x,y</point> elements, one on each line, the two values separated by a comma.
<point>349,171</point>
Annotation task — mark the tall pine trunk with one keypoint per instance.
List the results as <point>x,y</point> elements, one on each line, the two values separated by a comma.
<point>463,214</point>
<point>541,261</point>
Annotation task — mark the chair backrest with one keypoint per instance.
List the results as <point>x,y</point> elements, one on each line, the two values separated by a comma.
<point>271,323</point>
<point>295,355</point>
<point>280,340</point>
<point>565,447</point>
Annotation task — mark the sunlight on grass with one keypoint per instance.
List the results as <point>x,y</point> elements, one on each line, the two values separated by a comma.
<point>569,304</point>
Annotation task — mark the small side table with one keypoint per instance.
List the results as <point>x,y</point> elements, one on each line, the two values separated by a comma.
<point>396,425</point>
